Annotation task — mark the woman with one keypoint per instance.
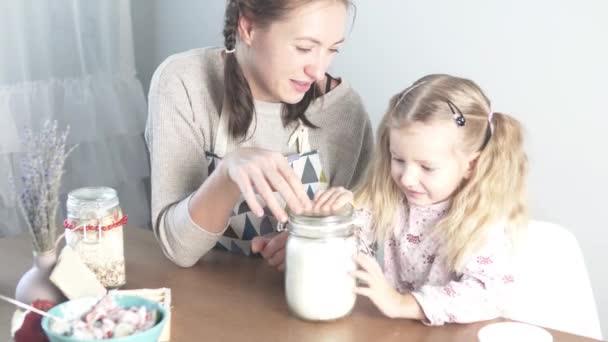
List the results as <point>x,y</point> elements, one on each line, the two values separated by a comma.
<point>236,134</point>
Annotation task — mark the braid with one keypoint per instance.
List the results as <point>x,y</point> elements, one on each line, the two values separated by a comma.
<point>236,88</point>
<point>230,24</point>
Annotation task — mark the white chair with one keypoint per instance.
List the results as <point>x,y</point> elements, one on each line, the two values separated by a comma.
<point>552,284</point>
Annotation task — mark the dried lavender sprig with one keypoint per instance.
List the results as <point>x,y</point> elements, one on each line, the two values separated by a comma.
<point>42,167</point>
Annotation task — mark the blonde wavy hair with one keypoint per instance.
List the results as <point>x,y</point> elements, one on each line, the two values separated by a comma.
<point>494,193</point>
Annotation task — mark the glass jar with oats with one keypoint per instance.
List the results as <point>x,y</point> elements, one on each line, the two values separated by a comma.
<point>94,230</point>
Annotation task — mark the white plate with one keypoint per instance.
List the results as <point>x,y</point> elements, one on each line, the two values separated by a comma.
<point>513,331</point>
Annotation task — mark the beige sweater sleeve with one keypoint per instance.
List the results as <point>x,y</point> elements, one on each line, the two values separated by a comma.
<point>178,168</point>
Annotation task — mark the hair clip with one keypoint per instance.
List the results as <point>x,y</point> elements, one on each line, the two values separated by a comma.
<point>229,51</point>
<point>458,116</point>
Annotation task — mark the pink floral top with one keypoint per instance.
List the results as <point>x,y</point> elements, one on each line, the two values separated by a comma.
<point>411,264</point>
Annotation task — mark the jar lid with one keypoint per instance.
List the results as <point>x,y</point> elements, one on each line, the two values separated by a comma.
<point>343,215</point>
<point>318,227</point>
<point>91,202</point>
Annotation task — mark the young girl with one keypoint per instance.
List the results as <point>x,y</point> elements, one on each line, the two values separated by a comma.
<point>444,195</point>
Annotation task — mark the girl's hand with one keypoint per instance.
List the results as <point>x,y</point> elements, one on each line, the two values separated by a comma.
<point>264,171</point>
<point>329,201</point>
<point>390,302</point>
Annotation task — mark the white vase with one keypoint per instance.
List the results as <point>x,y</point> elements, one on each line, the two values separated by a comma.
<point>35,283</point>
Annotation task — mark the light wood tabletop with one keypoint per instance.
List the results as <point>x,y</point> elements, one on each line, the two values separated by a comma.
<point>227,297</point>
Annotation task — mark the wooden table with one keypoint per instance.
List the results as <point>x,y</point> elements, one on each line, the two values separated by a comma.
<point>227,297</point>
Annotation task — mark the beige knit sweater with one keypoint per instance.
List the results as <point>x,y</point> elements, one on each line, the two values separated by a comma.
<point>185,101</point>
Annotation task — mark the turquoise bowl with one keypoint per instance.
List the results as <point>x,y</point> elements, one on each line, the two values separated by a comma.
<point>77,307</point>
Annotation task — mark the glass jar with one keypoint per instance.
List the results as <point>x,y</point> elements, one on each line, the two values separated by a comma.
<point>318,265</point>
<point>94,229</point>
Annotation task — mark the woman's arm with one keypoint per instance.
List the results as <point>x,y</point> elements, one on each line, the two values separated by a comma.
<point>178,167</point>
<point>190,209</point>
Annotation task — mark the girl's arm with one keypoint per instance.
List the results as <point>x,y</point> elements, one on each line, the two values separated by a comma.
<point>478,293</point>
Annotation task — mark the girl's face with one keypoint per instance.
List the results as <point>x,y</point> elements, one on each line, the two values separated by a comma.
<point>426,163</point>
<point>283,60</point>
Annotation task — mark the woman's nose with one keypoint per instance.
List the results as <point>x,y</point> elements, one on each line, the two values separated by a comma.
<point>315,72</point>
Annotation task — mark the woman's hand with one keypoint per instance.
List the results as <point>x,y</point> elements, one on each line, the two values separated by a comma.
<point>264,171</point>
<point>272,248</point>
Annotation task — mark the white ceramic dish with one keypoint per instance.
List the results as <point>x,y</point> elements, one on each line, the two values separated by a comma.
<point>513,331</point>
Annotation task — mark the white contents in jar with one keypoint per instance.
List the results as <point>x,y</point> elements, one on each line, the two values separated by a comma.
<point>318,281</point>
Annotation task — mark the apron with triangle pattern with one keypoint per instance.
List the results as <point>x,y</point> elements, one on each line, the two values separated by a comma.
<point>244,225</point>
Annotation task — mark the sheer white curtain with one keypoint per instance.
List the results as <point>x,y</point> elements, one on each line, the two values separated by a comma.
<point>72,60</point>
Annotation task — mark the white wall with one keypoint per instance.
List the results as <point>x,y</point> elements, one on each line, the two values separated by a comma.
<point>164,27</point>
<point>544,61</point>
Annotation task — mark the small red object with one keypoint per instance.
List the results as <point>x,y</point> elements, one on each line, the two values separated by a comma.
<point>31,329</point>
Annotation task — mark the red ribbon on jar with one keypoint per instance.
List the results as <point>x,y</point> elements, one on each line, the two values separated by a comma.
<point>72,226</point>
